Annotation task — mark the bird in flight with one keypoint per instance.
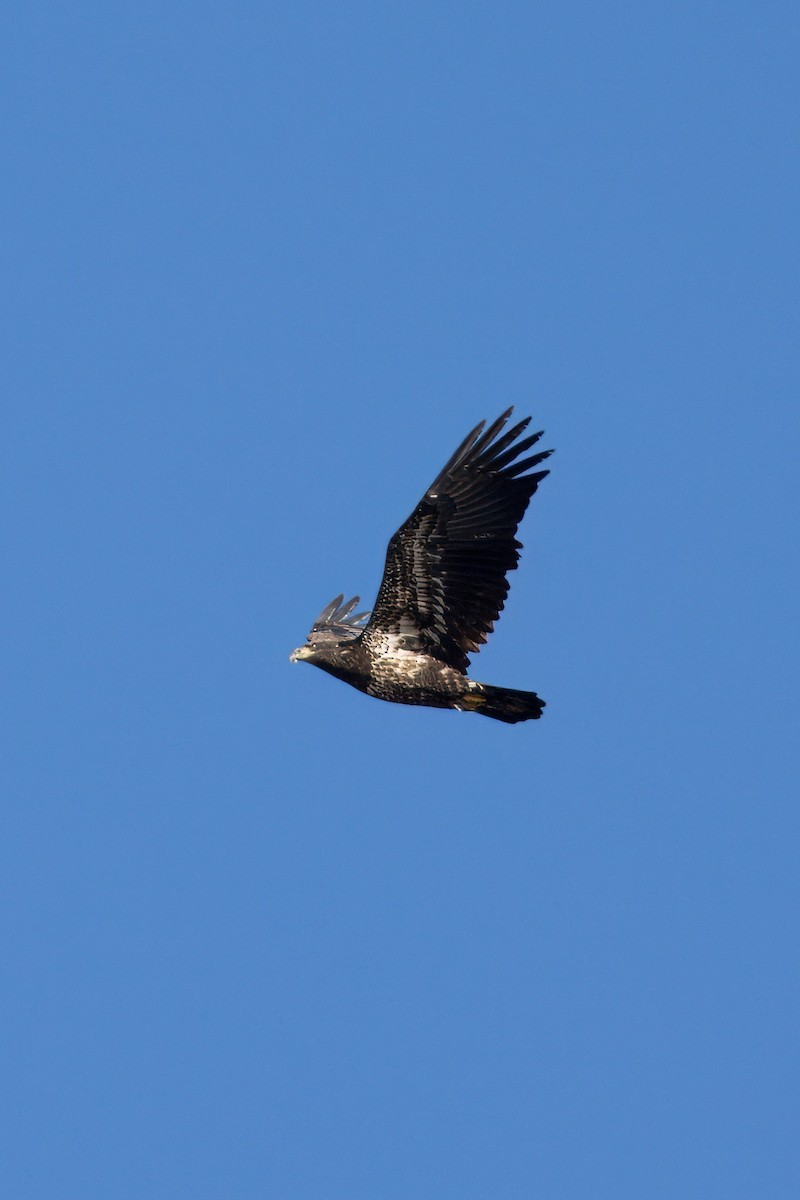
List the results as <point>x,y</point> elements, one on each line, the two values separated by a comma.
<point>444,585</point>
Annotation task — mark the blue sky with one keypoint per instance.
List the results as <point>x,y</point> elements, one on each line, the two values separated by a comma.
<point>264,266</point>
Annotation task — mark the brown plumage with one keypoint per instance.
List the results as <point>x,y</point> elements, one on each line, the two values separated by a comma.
<point>444,585</point>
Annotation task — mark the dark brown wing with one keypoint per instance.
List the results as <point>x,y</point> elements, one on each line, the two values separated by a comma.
<point>444,583</point>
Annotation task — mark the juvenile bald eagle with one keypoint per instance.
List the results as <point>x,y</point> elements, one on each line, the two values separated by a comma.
<point>443,587</point>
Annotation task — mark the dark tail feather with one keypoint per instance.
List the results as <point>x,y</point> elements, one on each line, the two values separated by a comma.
<point>504,704</point>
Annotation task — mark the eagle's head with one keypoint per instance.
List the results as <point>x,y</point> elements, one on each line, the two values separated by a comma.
<point>334,657</point>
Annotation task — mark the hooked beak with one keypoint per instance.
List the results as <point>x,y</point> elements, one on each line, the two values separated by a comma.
<point>301,653</point>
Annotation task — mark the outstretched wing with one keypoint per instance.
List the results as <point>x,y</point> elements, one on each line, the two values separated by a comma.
<point>444,583</point>
<point>338,622</point>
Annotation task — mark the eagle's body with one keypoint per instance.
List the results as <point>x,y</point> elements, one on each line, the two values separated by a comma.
<point>443,587</point>
<point>399,675</point>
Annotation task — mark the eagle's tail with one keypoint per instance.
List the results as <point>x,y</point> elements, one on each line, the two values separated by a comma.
<point>504,704</point>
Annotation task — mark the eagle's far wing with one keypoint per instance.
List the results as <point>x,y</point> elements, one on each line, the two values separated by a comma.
<point>338,622</point>
<point>444,583</point>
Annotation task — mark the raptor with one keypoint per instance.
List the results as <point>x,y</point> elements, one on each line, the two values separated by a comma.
<point>444,585</point>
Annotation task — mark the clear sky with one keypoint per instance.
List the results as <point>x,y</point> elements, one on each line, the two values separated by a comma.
<point>263,267</point>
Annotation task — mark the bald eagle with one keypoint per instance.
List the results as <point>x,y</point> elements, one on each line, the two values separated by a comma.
<point>444,585</point>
